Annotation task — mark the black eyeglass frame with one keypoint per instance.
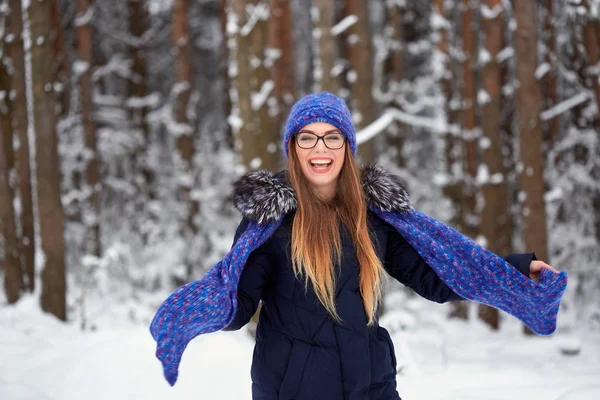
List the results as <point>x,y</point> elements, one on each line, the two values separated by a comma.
<point>322,137</point>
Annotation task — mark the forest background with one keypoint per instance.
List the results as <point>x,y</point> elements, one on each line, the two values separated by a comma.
<point>125,123</point>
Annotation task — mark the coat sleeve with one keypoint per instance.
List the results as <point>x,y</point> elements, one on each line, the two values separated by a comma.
<point>255,274</point>
<point>406,265</point>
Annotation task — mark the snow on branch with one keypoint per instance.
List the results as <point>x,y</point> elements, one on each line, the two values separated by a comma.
<point>344,24</point>
<point>260,98</point>
<point>491,13</point>
<point>565,106</point>
<point>258,12</point>
<point>391,115</point>
<point>85,19</point>
<point>117,64</point>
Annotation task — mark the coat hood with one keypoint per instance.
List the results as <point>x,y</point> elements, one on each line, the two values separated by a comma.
<point>263,196</point>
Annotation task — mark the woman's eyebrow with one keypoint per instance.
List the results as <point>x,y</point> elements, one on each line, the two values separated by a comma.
<point>309,131</point>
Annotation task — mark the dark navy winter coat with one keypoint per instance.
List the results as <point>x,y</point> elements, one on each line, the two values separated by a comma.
<point>301,353</point>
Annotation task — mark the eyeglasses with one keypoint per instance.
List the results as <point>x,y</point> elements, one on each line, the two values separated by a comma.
<point>333,141</point>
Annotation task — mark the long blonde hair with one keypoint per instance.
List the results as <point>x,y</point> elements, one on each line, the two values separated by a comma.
<point>316,241</point>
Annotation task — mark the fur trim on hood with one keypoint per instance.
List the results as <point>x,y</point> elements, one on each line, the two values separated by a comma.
<point>264,197</point>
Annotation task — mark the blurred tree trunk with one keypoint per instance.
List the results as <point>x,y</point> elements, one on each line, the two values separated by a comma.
<point>184,131</point>
<point>266,155</point>
<point>281,45</point>
<point>590,42</point>
<point>244,122</point>
<point>360,76</point>
<point>18,110</point>
<point>223,10</point>
<point>144,174</point>
<point>494,227</point>
<point>533,208</point>
<point>469,136</point>
<point>138,84</point>
<point>550,80</point>
<point>50,208</point>
<point>324,48</point>
<point>11,264</point>
<point>91,156</point>
<point>453,145</point>
<point>528,100</point>
<point>61,65</point>
<point>395,70</point>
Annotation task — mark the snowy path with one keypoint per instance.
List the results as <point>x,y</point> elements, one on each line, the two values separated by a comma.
<point>45,360</point>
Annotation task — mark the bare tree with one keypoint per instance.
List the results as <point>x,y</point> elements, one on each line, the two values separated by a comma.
<point>61,65</point>
<point>19,124</point>
<point>266,137</point>
<point>359,49</point>
<point>494,226</point>
<point>247,128</point>
<point>281,45</point>
<point>91,156</point>
<point>590,42</point>
<point>470,137</point>
<point>184,131</point>
<point>530,129</point>
<point>550,80</point>
<point>13,274</point>
<point>50,208</point>
<point>324,47</point>
<point>394,29</point>
<point>223,7</point>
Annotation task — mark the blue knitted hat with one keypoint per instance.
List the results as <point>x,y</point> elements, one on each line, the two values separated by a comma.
<point>320,107</point>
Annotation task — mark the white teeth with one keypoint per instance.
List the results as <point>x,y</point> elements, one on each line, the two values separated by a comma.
<point>321,162</point>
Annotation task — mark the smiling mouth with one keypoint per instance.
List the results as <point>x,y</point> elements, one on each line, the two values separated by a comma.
<point>321,166</point>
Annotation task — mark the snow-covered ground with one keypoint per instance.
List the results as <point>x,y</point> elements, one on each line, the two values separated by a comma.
<point>43,359</point>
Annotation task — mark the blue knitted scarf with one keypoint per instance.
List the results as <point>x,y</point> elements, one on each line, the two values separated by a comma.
<point>471,271</point>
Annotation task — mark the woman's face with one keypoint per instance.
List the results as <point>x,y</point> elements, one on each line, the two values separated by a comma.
<point>321,165</point>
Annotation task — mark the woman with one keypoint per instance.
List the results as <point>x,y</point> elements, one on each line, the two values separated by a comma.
<point>313,247</point>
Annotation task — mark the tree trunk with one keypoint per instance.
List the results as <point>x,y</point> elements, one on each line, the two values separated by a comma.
<point>494,227</point>
<point>266,155</point>
<point>50,208</point>
<point>61,62</point>
<point>533,208</point>
<point>453,150</point>
<point>84,33</point>
<point>469,47</point>
<point>590,42</point>
<point>282,70</point>
<point>227,107</point>
<point>324,48</point>
<point>360,76</point>
<point>184,132</point>
<point>246,129</point>
<point>144,175</point>
<point>18,105</point>
<point>138,84</point>
<point>550,81</point>
<point>394,27</point>
<point>11,264</point>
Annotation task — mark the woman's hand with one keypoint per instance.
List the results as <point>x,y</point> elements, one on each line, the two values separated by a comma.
<point>535,268</point>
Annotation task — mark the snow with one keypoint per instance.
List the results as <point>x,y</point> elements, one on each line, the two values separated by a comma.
<point>44,358</point>
<point>491,13</point>
<point>257,12</point>
<point>344,24</point>
<point>542,70</point>
<point>86,18</point>
<point>260,98</point>
<point>390,115</point>
<point>565,106</point>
